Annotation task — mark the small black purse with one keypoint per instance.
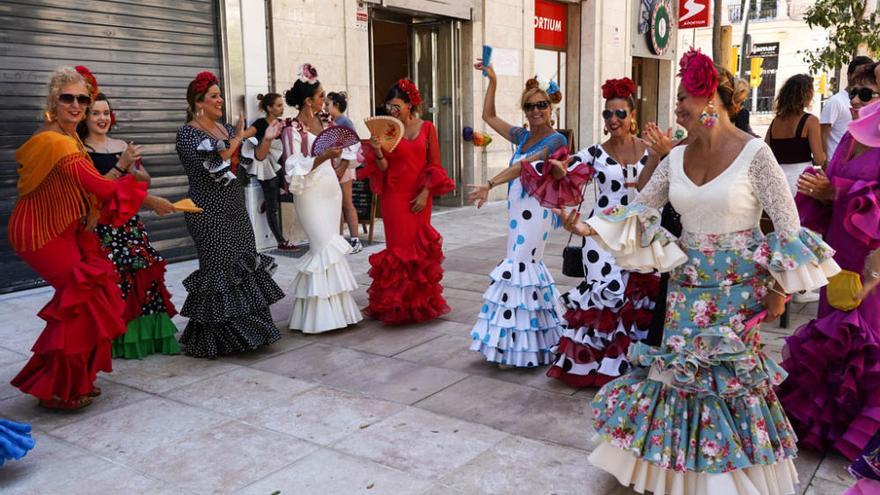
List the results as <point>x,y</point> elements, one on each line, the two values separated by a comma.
<point>573,256</point>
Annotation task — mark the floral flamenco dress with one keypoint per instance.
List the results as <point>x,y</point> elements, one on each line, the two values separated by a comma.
<point>520,319</point>
<point>612,307</point>
<point>406,274</point>
<point>141,270</point>
<point>57,189</point>
<point>832,394</point>
<point>230,293</point>
<point>699,414</point>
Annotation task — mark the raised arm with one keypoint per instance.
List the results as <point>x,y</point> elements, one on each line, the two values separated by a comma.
<point>490,116</point>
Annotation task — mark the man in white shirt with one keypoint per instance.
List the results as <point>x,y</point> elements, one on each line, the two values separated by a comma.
<point>836,111</point>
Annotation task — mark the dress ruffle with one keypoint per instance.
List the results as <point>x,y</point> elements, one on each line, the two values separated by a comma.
<point>776,479</point>
<point>436,180</point>
<point>82,318</point>
<point>229,309</point>
<point>125,203</point>
<point>406,281</point>
<point>519,321</point>
<point>148,334</point>
<point>322,290</point>
<point>539,183</point>
<point>799,261</point>
<point>832,394</point>
<point>862,217</point>
<point>15,440</point>
<point>593,348</point>
<point>634,235</point>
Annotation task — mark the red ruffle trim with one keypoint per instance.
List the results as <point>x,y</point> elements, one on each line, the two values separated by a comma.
<point>435,179</point>
<point>371,171</point>
<point>82,319</point>
<point>552,193</point>
<point>406,281</point>
<point>570,352</point>
<point>141,283</point>
<point>125,203</point>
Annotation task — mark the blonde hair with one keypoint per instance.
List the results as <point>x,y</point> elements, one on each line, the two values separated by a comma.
<point>740,94</point>
<point>63,76</point>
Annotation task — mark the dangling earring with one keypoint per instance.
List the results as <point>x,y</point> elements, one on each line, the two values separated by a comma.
<point>200,112</point>
<point>49,116</point>
<point>709,117</point>
<point>605,130</point>
<point>633,127</point>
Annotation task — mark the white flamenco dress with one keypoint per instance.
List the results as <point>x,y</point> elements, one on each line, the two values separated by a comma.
<point>324,282</point>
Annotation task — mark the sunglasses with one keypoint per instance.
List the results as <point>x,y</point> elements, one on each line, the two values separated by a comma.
<point>541,105</point>
<point>621,114</point>
<point>864,94</point>
<point>392,108</point>
<point>67,98</point>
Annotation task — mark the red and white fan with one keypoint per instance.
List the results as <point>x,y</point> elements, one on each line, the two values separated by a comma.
<point>388,129</point>
<point>336,136</point>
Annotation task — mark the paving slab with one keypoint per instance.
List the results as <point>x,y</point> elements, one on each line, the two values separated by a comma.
<point>394,380</point>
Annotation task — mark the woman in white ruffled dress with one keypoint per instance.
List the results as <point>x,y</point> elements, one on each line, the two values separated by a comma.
<point>323,283</point>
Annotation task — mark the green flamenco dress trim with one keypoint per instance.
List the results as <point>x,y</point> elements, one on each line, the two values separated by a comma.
<point>149,334</point>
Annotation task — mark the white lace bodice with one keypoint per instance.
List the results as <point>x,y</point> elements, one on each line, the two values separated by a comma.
<point>731,202</point>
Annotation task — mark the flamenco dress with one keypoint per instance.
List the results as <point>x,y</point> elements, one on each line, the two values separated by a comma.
<point>699,414</point>
<point>58,188</point>
<point>406,274</point>
<point>15,440</point>
<point>323,283</point>
<point>612,307</point>
<point>141,270</point>
<point>519,321</point>
<point>866,469</point>
<point>230,293</point>
<point>832,394</point>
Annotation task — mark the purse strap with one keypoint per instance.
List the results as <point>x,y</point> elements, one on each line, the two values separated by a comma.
<point>583,192</point>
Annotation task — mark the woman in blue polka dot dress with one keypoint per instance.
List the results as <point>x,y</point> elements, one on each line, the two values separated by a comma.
<point>520,320</point>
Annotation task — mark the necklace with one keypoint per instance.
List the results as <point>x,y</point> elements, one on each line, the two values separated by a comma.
<point>211,132</point>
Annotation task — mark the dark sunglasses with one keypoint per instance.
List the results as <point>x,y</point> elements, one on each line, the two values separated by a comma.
<point>541,105</point>
<point>621,114</point>
<point>67,98</point>
<point>864,94</point>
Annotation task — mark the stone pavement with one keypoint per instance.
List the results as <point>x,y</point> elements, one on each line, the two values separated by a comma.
<point>371,409</point>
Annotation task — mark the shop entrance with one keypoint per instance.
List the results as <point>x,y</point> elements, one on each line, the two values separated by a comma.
<point>426,50</point>
<point>646,75</point>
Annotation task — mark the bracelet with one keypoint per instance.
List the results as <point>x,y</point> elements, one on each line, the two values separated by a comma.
<point>116,168</point>
<point>780,293</point>
<point>380,157</point>
<point>491,184</point>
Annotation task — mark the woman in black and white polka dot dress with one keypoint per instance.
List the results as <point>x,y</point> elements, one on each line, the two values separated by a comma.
<point>611,307</point>
<point>230,293</point>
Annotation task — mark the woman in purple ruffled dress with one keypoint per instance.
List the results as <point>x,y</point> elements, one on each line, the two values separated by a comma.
<point>832,394</point>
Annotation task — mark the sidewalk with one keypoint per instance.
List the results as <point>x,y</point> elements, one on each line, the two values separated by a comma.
<point>371,410</point>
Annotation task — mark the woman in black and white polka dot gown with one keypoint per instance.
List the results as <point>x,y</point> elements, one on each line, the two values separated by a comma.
<point>611,307</point>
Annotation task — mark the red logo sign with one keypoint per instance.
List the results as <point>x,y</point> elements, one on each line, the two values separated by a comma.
<point>550,25</point>
<point>693,14</point>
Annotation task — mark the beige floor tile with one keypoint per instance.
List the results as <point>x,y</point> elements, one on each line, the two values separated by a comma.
<point>159,373</point>
<point>834,468</point>
<point>374,337</point>
<point>395,380</point>
<point>316,362</point>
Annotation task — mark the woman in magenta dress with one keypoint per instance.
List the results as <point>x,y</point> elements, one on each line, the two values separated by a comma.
<point>406,275</point>
<point>832,394</point>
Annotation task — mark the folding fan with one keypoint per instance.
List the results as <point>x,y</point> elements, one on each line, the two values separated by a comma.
<point>336,136</point>
<point>388,129</point>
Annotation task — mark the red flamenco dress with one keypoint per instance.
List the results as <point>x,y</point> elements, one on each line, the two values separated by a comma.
<point>57,189</point>
<point>406,275</point>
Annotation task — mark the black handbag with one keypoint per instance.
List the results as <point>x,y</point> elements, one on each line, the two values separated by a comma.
<point>573,256</point>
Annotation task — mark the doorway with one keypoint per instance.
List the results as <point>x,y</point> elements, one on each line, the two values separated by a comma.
<point>426,50</point>
<point>646,75</point>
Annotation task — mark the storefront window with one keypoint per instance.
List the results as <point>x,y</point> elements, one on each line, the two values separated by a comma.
<point>551,39</point>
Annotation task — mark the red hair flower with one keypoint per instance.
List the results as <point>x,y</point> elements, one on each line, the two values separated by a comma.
<point>698,74</point>
<point>203,81</point>
<point>90,79</point>
<point>618,88</point>
<point>412,92</point>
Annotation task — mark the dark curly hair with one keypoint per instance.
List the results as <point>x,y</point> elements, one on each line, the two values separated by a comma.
<point>267,100</point>
<point>865,74</point>
<point>339,99</point>
<point>299,92</point>
<point>794,95</point>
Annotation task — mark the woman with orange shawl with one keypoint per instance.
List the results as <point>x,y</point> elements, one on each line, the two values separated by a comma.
<point>59,194</point>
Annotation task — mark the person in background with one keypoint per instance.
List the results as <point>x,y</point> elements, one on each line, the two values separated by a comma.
<point>836,112</point>
<point>337,103</point>
<point>740,95</point>
<point>141,269</point>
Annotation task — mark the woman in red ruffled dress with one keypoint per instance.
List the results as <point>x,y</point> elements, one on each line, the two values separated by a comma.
<point>60,197</point>
<point>406,275</point>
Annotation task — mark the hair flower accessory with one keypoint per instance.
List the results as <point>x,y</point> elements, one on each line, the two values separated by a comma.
<point>412,92</point>
<point>90,78</point>
<point>618,88</point>
<point>308,73</point>
<point>204,80</point>
<point>698,73</point>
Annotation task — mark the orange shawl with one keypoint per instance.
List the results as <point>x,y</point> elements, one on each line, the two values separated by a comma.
<point>49,199</point>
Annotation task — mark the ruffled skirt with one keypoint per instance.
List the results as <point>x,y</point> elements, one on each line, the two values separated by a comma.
<point>228,309</point>
<point>15,440</point>
<point>832,394</point>
<point>406,281</point>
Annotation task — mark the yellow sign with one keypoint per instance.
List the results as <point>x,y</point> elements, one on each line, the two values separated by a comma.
<point>757,69</point>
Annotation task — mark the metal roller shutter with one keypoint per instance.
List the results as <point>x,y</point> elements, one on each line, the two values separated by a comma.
<point>143,55</point>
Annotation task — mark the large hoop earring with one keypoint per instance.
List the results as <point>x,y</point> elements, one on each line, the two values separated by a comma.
<point>605,130</point>
<point>49,116</point>
<point>200,112</point>
<point>709,117</point>
<point>633,128</point>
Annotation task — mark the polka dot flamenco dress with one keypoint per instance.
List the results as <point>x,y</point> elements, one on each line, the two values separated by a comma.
<point>520,319</point>
<point>612,307</point>
<point>230,293</point>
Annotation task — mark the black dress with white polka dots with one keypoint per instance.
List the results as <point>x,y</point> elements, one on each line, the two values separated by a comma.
<point>230,293</point>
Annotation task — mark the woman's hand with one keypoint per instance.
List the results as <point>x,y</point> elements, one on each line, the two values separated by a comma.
<point>774,304</point>
<point>479,194</point>
<point>420,201</point>
<point>329,154</point>
<point>159,205</point>
<point>559,168</point>
<point>656,139</point>
<point>239,126</point>
<point>377,146</point>
<point>572,223</point>
<point>128,157</point>
<point>490,71</point>
<point>816,186</point>
<point>870,274</point>
<point>274,130</point>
